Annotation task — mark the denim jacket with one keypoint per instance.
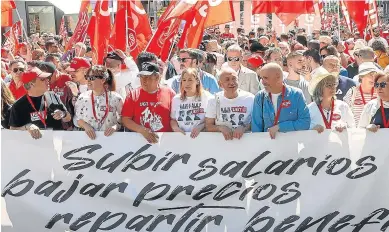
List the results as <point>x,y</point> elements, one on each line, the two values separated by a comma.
<point>294,117</point>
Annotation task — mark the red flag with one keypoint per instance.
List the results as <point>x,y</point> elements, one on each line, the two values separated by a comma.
<point>141,25</point>
<point>213,13</point>
<point>169,39</point>
<point>81,27</point>
<point>373,13</point>
<point>196,31</point>
<point>118,38</point>
<point>6,13</point>
<point>13,37</point>
<point>158,40</point>
<point>286,11</point>
<point>346,15</point>
<point>100,32</point>
<point>188,23</point>
<point>358,13</point>
<point>62,30</point>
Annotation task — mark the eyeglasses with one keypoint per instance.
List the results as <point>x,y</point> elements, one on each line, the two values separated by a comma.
<point>381,85</point>
<point>15,70</point>
<point>331,85</point>
<point>183,60</point>
<point>92,78</point>
<point>233,59</point>
<point>323,56</point>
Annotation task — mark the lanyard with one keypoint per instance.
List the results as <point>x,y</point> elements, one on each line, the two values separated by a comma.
<point>363,97</point>
<point>41,117</point>
<point>386,123</point>
<point>100,122</point>
<point>328,124</point>
<point>277,116</point>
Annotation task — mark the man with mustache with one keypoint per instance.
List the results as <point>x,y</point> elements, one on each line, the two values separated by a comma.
<point>297,72</point>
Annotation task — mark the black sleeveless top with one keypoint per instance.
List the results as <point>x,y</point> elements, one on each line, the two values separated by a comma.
<point>377,118</point>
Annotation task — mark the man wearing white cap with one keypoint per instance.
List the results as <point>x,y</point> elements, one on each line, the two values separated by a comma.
<point>357,97</point>
<point>326,111</point>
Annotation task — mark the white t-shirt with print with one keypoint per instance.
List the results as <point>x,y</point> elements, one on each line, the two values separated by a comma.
<point>231,112</point>
<point>83,109</point>
<point>190,112</point>
<point>342,115</point>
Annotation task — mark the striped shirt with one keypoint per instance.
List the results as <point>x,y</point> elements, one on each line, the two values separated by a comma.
<point>354,99</point>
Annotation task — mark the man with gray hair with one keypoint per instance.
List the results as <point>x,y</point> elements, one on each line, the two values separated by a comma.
<point>38,109</point>
<point>230,111</point>
<point>247,79</point>
<point>361,55</point>
<point>332,65</point>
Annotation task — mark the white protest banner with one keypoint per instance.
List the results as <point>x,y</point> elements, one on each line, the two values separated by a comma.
<point>301,181</point>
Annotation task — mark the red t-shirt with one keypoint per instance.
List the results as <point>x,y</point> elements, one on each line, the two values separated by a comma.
<point>17,92</point>
<point>59,85</point>
<point>227,36</point>
<point>150,110</point>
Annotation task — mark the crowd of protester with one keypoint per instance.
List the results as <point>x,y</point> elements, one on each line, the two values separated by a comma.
<point>255,82</point>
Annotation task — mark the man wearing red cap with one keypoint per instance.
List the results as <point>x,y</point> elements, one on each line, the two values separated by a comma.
<point>38,109</point>
<point>77,70</point>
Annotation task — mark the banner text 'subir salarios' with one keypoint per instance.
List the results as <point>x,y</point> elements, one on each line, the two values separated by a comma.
<point>299,182</point>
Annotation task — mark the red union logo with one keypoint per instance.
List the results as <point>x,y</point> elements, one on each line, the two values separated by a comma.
<point>336,117</point>
<point>164,35</point>
<point>286,104</point>
<point>131,39</point>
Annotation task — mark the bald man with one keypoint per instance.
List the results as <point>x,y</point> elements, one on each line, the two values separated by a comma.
<point>230,111</point>
<point>332,65</point>
<point>279,107</point>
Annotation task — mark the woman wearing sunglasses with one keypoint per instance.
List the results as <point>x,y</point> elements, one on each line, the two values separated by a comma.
<point>375,115</point>
<point>99,109</point>
<point>188,107</point>
<point>327,112</point>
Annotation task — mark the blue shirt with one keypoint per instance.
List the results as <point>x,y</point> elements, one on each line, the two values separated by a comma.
<point>208,81</point>
<point>294,117</point>
<point>345,84</point>
<point>343,72</point>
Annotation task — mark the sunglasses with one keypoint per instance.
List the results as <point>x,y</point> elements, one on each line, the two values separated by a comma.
<point>15,70</point>
<point>381,85</point>
<point>92,78</point>
<point>233,59</point>
<point>183,60</point>
<point>331,85</point>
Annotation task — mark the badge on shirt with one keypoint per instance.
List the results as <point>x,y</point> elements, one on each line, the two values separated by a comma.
<point>103,108</point>
<point>336,117</point>
<point>35,117</point>
<point>358,102</point>
<point>286,104</point>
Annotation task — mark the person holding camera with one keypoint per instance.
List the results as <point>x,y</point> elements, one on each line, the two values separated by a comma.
<point>39,108</point>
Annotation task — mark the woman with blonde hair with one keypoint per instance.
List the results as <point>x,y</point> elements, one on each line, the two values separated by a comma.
<point>188,107</point>
<point>99,108</point>
<point>327,112</point>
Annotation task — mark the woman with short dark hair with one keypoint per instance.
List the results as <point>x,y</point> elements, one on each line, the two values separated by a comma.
<point>99,109</point>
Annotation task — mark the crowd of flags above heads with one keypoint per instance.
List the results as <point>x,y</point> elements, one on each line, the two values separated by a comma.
<point>131,30</point>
